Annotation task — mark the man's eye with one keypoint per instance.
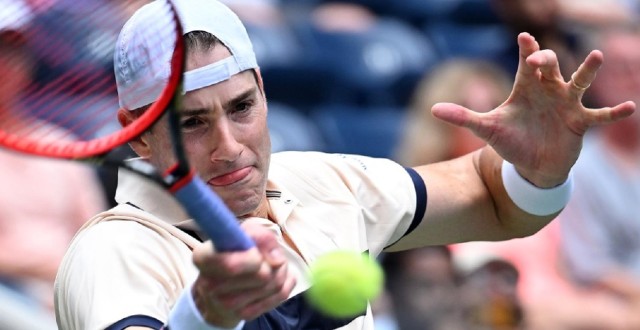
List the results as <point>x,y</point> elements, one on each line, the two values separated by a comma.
<point>242,107</point>
<point>190,123</point>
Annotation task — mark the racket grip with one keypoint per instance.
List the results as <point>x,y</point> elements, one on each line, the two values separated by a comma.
<point>213,216</point>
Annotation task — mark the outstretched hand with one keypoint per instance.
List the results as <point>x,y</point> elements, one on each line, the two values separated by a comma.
<point>540,127</point>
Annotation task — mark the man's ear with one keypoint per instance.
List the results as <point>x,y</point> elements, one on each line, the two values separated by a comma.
<point>139,145</point>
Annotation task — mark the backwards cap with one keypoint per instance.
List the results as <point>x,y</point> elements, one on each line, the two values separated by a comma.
<point>145,46</point>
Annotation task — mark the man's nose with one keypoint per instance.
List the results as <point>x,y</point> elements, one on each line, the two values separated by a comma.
<point>226,148</point>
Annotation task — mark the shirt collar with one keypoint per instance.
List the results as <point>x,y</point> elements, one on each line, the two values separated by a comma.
<point>148,196</point>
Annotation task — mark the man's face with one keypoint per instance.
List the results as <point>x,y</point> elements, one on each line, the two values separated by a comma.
<point>225,135</point>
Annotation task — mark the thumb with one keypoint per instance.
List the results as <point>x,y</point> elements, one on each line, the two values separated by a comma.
<point>482,125</point>
<point>267,244</point>
<point>455,114</point>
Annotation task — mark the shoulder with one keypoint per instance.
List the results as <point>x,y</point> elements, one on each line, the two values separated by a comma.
<point>114,245</point>
<point>317,164</point>
<point>341,174</point>
<point>107,243</point>
<point>118,268</point>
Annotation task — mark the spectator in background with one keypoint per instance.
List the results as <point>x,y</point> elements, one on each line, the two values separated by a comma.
<point>257,12</point>
<point>422,288</point>
<point>600,227</point>
<point>599,12</point>
<point>475,84</point>
<point>430,289</point>
<point>543,20</point>
<point>44,202</point>
<point>488,294</point>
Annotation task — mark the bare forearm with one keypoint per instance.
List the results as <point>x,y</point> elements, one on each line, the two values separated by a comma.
<point>468,202</point>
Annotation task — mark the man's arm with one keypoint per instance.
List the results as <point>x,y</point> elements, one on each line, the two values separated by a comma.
<point>468,202</point>
<point>539,129</point>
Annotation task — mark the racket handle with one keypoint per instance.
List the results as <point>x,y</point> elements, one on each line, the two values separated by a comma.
<point>213,216</point>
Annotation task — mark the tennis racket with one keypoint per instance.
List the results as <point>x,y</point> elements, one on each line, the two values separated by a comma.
<point>68,109</point>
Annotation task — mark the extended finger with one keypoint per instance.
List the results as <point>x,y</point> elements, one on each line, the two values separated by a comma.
<point>547,61</point>
<point>609,114</point>
<point>527,45</point>
<point>586,72</point>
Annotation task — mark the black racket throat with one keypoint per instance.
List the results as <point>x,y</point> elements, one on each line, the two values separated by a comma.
<point>125,158</point>
<point>182,168</point>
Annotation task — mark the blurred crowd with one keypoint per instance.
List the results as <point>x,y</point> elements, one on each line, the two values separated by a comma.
<point>360,76</point>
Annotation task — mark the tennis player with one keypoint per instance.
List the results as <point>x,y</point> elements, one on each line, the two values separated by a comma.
<point>143,265</point>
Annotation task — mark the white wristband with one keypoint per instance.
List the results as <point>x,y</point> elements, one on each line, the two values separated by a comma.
<point>532,199</point>
<point>185,315</point>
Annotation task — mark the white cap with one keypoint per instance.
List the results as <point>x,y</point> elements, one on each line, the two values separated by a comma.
<point>15,15</point>
<point>145,46</point>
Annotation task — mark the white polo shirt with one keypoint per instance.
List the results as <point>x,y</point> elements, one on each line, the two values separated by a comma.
<point>127,266</point>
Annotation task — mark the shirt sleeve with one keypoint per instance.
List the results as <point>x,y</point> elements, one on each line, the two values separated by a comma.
<point>389,200</point>
<point>392,197</point>
<point>118,269</point>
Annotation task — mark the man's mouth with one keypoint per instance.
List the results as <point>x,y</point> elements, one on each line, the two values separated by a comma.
<point>231,177</point>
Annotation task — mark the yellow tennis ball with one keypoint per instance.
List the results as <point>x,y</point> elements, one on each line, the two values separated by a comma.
<point>343,282</point>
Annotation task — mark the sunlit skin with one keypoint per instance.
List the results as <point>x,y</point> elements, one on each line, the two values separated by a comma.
<point>225,136</point>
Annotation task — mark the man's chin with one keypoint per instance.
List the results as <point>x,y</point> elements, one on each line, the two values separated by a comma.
<point>243,207</point>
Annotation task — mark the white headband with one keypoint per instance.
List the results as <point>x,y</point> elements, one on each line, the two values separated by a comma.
<point>211,74</point>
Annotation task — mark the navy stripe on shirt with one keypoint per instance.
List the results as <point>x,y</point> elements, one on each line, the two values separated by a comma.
<point>296,313</point>
<point>136,321</point>
<point>421,201</point>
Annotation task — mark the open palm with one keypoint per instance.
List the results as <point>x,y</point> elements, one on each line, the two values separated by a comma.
<point>540,127</point>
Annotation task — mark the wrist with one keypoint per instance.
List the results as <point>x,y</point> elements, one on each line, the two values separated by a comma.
<point>185,315</point>
<point>531,198</point>
<point>541,181</point>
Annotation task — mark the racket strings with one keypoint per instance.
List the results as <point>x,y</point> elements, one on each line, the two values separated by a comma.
<point>72,95</point>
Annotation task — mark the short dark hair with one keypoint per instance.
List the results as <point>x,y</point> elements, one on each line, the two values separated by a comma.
<point>200,41</point>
